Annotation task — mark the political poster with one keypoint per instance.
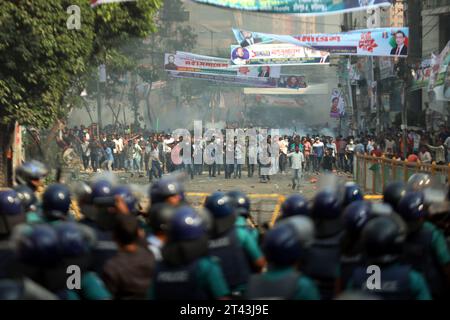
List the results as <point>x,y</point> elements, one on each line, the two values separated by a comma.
<point>260,82</point>
<point>301,7</point>
<point>277,54</point>
<point>337,104</point>
<point>189,62</point>
<point>366,42</point>
<point>439,82</point>
<point>292,81</point>
<point>296,102</point>
<point>421,75</point>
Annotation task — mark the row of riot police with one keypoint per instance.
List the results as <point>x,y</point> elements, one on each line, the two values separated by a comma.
<point>334,246</point>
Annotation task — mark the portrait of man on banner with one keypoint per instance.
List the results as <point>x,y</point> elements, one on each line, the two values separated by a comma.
<point>240,55</point>
<point>401,44</point>
<point>248,39</point>
<point>337,104</point>
<point>170,65</point>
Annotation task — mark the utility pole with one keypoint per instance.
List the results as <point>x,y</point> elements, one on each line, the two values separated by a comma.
<point>373,21</point>
<point>101,79</point>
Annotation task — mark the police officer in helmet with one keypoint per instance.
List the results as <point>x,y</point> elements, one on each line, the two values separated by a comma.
<point>187,272</point>
<point>159,217</point>
<point>383,239</point>
<point>295,205</point>
<point>45,252</point>
<point>11,215</point>
<point>97,203</point>
<point>285,247</point>
<point>169,190</point>
<point>236,247</point>
<point>31,174</point>
<point>29,203</point>
<point>393,193</point>
<point>56,203</point>
<point>241,203</point>
<point>323,261</point>
<point>426,248</point>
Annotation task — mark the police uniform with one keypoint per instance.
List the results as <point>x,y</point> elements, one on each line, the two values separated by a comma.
<point>199,280</point>
<point>426,251</point>
<point>397,282</point>
<point>282,283</point>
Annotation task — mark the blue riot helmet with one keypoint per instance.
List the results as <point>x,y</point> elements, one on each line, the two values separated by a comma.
<point>187,237</point>
<point>352,192</point>
<point>295,205</point>
<point>167,189</point>
<point>393,193</point>
<point>220,207</point>
<point>383,238</point>
<point>27,198</point>
<point>326,213</point>
<point>11,211</point>
<point>56,202</point>
<point>413,210</point>
<point>356,215</point>
<point>285,244</point>
<point>240,202</point>
<point>38,245</point>
<point>125,192</point>
<point>73,241</point>
<point>31,174</point>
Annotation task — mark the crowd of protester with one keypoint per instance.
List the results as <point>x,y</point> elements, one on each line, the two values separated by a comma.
<point>143,152</point>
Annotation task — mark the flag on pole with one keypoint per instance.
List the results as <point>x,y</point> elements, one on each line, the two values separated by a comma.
<point>95,3</point>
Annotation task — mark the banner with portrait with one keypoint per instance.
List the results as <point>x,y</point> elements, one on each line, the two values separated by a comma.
<point>337,104</point>
<point>260,82</point>
<point>421,75</point>
<point>277,54</point>
<point>301,7</point>
<point>439,82</point>
<point>366,42</point>
<point>189,62</point>
<point>267,100</point>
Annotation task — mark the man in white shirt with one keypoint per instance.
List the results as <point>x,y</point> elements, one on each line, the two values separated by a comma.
<point>447,145</point>
<point>424,155</point>
<point>297,163</point>
<point>118,148</point>
<point>283,145</point>
<point>137,153</point>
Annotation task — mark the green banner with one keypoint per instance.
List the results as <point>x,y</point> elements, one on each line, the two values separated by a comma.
<point>311,7</point>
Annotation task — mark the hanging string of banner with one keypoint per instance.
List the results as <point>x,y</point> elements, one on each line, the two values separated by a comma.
<point>366,42</point>
<point>300,7</point>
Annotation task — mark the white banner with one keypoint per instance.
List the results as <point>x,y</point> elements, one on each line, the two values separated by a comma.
<point>277,54</point>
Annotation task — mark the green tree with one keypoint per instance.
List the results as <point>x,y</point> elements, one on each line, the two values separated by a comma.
<point>44,65</point>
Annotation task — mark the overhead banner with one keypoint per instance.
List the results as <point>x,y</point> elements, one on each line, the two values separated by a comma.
<point>337,104</point>
<point>230,79</point>
<point>188,62</point>
<point>302,7</point>
<point>311,89</point>
<point>367,42</point>
<point>421,76</point>
<point>292,82</point>
<point>277,54</point>
<point>296,102</point>
<point>439,83</point>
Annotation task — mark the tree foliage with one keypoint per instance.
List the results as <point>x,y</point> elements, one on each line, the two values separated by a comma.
<point>44,64</point>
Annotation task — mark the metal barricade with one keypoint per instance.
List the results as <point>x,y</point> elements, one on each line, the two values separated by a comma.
<point>374,173</point>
